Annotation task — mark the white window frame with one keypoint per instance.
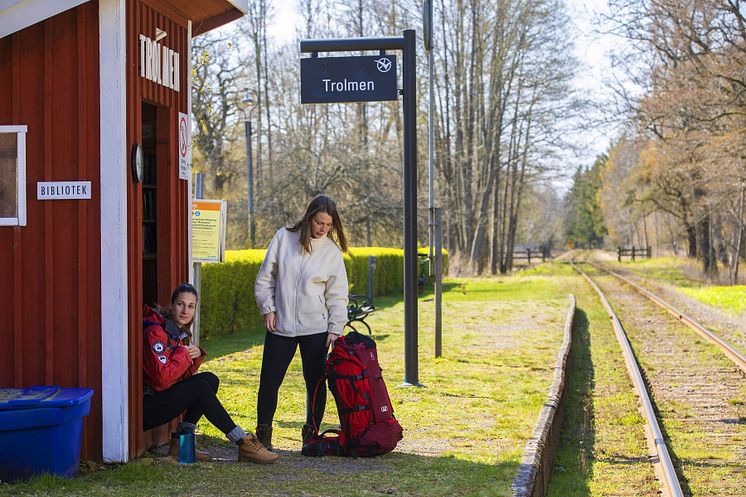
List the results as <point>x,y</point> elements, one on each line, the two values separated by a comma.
<point>20,219</point>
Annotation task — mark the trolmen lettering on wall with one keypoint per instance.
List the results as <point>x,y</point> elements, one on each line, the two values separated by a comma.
<point>159,63</point>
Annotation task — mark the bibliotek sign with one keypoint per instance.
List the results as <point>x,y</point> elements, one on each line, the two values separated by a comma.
<point>368,78</point>
<point>63,190</point>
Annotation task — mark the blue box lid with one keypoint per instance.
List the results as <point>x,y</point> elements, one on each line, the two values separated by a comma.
<point>42,397</point>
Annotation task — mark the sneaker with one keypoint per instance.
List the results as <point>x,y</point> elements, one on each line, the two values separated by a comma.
<point>199,455</point>
<point>253,451</point>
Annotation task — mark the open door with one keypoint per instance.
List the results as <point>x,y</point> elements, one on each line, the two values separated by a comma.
<point>149,206</point>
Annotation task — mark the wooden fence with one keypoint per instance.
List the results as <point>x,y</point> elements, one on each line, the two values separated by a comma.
<point>633,252</point>
<point>528,254</point>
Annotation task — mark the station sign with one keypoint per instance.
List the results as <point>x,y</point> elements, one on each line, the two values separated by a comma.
<point>367,78</point>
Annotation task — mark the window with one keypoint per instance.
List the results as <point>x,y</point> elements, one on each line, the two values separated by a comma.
<point>13,175</point>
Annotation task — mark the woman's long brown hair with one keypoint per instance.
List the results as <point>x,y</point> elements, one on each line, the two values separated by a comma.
<point>320,203</point>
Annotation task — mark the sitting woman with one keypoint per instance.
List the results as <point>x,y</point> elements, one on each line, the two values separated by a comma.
<point>173,386</point>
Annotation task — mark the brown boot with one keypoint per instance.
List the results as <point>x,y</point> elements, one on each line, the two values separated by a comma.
<point>199,455</point>
<point>252,450</point>
<point>264,434</point>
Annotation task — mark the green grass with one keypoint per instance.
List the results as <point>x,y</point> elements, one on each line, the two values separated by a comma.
<point>678,271</point>
<point>465,430</point>
<point>731,299</point>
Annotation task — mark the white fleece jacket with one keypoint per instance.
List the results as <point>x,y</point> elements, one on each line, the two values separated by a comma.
<point>308,292</point>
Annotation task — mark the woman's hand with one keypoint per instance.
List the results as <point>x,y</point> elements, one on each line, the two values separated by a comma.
<point>194,351</point>
<point>330,338</point>
<point>270,322</point>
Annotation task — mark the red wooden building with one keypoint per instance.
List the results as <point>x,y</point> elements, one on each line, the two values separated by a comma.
<point>85,86</point>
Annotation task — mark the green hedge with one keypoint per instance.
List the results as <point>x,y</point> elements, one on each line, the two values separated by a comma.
<point>227,301</point>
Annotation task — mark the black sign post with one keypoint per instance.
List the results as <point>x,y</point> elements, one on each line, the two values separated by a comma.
<point>405,43</point>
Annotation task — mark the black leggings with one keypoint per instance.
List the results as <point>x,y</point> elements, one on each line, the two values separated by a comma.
<point>196,395</point>
<point>278,352</point>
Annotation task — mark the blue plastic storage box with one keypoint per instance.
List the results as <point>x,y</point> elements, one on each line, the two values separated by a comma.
<point>40,430</point>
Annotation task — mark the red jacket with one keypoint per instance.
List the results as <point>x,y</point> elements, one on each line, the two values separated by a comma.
<point>165,360</point>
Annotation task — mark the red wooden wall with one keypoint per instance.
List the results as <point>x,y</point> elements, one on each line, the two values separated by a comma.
<point>50,270</point>
<point>172,194</point>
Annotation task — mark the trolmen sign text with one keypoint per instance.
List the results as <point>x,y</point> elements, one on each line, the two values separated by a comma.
<point>348,79</point>
<point>159,64</point>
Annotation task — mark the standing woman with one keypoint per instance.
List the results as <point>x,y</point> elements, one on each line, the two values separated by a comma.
<point>301,291</point>
<point>173,386</point>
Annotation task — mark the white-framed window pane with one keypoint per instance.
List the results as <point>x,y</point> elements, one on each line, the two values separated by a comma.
<point>8,175</point>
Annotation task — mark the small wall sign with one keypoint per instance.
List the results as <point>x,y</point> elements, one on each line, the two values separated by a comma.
<point>63,190</point>
<point>185,155</point>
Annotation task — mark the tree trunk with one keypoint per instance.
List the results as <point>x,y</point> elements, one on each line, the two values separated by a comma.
<point>737,242</point>
<point>705,248</point>
<point>691,234</point>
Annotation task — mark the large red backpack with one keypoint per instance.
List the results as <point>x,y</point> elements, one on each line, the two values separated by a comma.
<point>369,427</point>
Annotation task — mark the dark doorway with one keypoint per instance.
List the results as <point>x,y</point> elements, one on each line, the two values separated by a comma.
<point>149,207</point>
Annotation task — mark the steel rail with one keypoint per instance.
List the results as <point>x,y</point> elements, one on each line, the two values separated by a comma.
<point>733,354</point>
<point>657,444</point>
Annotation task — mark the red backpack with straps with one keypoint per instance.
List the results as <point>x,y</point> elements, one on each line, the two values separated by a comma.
<point>369,427</point>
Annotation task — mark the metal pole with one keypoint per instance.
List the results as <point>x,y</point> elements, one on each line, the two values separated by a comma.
<point>430,138</point>
<point>199,194</point>
<point>410,208</point>
<point>250,180</point>
<point>438,282</point>
<point>371,275</point>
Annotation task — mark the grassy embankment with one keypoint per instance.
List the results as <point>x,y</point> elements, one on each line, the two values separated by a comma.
<point>465,430</point>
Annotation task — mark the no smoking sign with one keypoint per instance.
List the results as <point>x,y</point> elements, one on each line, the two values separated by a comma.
<point>185,170</point>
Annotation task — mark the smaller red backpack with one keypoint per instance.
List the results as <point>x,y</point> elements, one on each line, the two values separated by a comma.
<point>369,427</point>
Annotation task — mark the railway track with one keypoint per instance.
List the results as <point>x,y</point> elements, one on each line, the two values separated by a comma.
<point>691,393</point>
<point>729,350</point>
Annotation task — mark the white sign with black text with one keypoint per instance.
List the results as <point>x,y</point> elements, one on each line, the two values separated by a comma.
<point>63,190</point>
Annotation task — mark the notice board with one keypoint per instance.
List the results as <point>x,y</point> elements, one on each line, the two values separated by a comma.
<point>208,230</point>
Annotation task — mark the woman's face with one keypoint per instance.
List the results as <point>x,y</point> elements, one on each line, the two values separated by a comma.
<point>321,224</point>
<point>183,308</point>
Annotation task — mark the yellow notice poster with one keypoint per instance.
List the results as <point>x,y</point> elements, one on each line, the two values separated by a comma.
<point>208,230</point>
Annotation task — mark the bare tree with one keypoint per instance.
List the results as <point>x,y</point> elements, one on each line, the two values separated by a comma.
<point>692,112</point>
